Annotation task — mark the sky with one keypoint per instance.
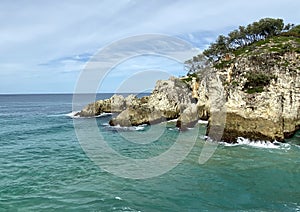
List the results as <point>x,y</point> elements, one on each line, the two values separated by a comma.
<point>45,45</point>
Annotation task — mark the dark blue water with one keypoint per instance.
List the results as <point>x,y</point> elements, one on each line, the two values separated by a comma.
<point>44,168</point>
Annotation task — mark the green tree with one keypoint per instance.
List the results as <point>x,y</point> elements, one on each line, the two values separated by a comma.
<point>199,62</point>
<point>244,36</point>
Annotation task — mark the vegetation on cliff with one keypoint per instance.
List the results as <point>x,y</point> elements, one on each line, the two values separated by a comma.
<point>245,36</point>
<point>258,66</point>
<point>266,38</point>
<point>249,89</point>
<point>267,34</point>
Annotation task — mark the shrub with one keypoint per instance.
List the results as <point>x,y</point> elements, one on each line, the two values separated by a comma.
<point>257,81</point>
<point>244,36</point>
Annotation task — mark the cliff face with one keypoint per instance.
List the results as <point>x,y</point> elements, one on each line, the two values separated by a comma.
<point>262,91</point>
<point>255,94</point>
<point>167,100</point>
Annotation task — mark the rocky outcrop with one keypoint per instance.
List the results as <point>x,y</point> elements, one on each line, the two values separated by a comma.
<point>188,118</point>
<point>115,104</point>
<point>167,100</point>
<point>255,95</point>
<point>262,96</point>
<point>134,116</point>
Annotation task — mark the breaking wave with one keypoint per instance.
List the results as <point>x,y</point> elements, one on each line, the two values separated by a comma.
<point>73,115</point>
<point>258,144</point>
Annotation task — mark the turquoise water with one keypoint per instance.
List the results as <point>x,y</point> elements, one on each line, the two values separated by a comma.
<point>44,168</point>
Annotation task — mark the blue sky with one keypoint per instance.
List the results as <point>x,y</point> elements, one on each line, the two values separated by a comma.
<point>44,45</point>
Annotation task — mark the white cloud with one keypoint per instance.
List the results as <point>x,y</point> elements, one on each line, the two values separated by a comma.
<point>41,32</point>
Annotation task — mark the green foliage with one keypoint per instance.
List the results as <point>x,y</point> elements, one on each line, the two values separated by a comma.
<point>198,62</point>
<point>217,49</point>
<point>244,36</point>
<point>257,81</point>
<point>258,89</point>
<point>234,83</point>
<point>190,76</point>
<point>222,64</point>
<point>294,31</point>
<point>279,44</point>
<point>186,80</point>
<point>267,35</point>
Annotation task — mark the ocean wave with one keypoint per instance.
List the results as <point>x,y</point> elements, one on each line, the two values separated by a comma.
<point>103,115</point>
<point>73,115</point>
<point>172,120</point>
<point>202,122</point>
<point>296,145</point>
<point>199,121</point>
<point>173,128</point>
<point>118,198</point>
<point>56,115</point>
<point>258,144</point>
<point>132,128</point>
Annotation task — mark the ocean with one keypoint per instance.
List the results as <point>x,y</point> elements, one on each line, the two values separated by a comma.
<point>43,166</point>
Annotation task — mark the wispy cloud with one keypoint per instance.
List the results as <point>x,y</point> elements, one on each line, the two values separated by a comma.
<point>78,58</point>
<point>40,39</point>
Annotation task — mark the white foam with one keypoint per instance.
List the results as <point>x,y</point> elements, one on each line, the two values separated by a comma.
<point>172,120</point>
<point>103,115</point>
<point>203,137</point>
<point>297,146</point>
<point>139,128</point>
<point>72,114</point>
<point>54,115</point>
<point>133,128</point>
<point>259,144</point>
<point>202,122</point>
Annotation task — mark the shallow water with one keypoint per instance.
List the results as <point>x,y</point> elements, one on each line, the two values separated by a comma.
<point>44,168</point>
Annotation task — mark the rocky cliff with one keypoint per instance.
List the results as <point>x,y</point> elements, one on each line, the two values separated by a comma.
<point>167,101</point>
<point>262,91</point>
<point>254,93</point>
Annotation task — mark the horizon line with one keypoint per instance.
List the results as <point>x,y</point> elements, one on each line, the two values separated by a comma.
<point>62,93</point>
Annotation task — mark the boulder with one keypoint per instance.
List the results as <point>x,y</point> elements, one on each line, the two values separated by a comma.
<point>117,103</point>
<point>137,116</point>
<point>167,100</point>
<point>188,118</point>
